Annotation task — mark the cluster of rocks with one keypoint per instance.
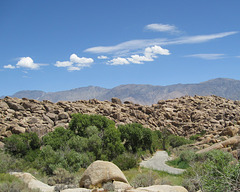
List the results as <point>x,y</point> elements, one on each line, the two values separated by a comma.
<point>100,176</point>
<point>183,116</point>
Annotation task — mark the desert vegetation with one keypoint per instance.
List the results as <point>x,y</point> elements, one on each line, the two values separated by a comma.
<point>60,157</point>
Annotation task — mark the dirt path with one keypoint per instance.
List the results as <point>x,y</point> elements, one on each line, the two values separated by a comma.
<point>157,162</point>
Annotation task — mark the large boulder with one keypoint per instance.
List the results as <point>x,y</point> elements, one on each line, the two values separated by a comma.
<point>32,182</point>
<point>100,172</point>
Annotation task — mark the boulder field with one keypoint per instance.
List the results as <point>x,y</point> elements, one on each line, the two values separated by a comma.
<point>183,116</point>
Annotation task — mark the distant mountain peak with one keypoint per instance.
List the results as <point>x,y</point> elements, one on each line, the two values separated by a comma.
<point>141,93</point>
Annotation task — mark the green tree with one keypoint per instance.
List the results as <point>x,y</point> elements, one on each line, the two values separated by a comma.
<point>80,122</point>
<point>112,143</point>
<point>20,145</point>
<point>58,138</point>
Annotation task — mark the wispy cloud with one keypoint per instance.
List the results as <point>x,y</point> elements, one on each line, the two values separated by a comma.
<point>162,28</point>
<point>102,57</point>
<point>130,46</point>
<point>149,54</point>
<point>207,56</point>
<point>75,63</point>
<point>9,66</point>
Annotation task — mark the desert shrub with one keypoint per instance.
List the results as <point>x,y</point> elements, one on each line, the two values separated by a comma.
<point>77,143</point>
<point>20,145</point>
<point>32,155</point>
<point>58,138</point>
<point>176,141</point>
<point>9,183</point>
<point>183,161</point>
<point>61,176</point>
<point>214,172</point>
<point>48,160</point>
<point>187,156</point>
<point>80,122</point>
<point>126,161</point>
<point>144,179</point>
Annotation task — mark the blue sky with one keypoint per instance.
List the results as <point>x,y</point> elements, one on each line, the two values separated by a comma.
<point>63,44</point>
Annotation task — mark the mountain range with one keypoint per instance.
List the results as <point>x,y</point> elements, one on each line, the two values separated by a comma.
<point>142,94</point>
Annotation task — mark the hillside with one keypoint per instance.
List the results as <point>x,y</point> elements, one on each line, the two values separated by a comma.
<point>142,94</point>
<point>183,116</point>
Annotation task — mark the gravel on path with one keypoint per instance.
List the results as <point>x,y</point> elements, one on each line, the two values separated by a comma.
<point>157,162</point>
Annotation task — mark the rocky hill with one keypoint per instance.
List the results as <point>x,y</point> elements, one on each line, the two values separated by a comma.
<point>142,94</point>
<point>183,116</point>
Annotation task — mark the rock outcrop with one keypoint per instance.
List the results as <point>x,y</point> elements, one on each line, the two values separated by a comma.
<point>32,182</point>
<point>100,172</point>
<point>183,116</point>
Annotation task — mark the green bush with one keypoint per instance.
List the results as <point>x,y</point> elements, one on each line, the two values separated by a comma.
<point>214,172</point>
<point>77,143</point>
<point>136,137</point>
<point>80,122</point>
<point>126,161</point>
<point>144,179</point>
<point>20,145</point>
<point>95,145</point>
<point>58,138</point>
<point>176,141</point>
<point>112,145</point>
<point>48,160</point>
<point>9,183</point>
<point>61,176</point>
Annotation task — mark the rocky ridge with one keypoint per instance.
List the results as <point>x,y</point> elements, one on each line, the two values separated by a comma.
<point>183,116</point>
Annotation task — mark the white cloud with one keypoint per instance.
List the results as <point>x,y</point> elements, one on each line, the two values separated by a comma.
<point>155,50</point>
<point>80,60</point>
<point>149,54</point>
<point>207,56</point>
<point>133,45</point>
<point>9,67</point>
<point>238,56</point>
<point>102,57</point>
<point>71,68</point>
<point>63,64</point>
<point>162,28</point>
<point>118,61</point>
<point>138,59</point>
<point>76,63</point>
<point>27,62</point>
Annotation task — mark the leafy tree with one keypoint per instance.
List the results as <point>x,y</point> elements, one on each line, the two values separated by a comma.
<point>20,145</point>
<point>135,137</point>
<point>77,143</point>
<point>80,122</point>
<point>126,161</point>
<point>112,143</point>
<point>48,160</point>
<point>95,145</point>
<point>58,138</point>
